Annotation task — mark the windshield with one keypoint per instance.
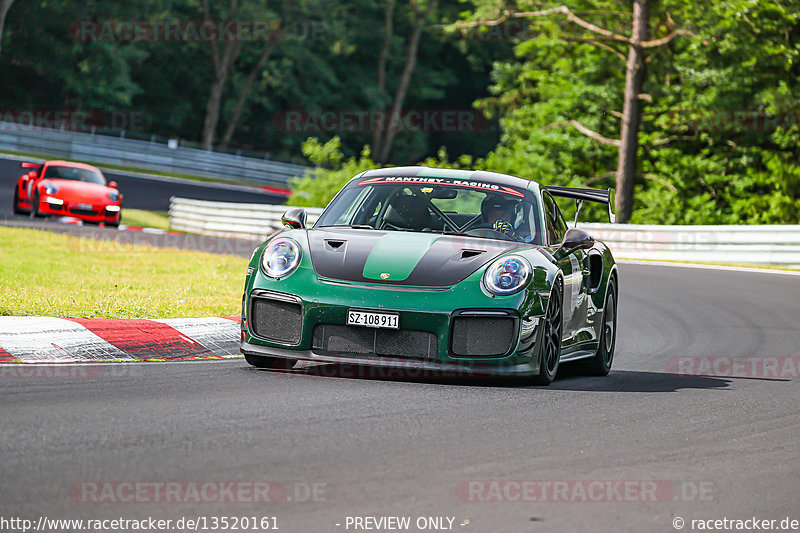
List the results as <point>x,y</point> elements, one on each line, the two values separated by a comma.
<point>447,206</point>
<point>75,174</point>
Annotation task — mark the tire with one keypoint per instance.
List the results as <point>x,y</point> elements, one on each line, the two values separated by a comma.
<point>116,223</point>
<point>550,342</point>
<point>35,206</point>
<point>600,364</point>
<point>15,207</point>
<point>274,363</point>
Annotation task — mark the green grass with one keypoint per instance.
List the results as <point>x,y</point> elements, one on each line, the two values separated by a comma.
<point>145,219</point>
<point>47,274</point>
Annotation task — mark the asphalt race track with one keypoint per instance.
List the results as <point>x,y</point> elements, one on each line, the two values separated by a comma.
<point>714,446</point>
<point>144,193</point>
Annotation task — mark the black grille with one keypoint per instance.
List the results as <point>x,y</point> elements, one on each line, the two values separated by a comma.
<point>276,320</point>
<point>480,336</point>
<point>404,344</point>
<point>77,211</point>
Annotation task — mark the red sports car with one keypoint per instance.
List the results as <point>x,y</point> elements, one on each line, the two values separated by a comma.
<point>65,188</point>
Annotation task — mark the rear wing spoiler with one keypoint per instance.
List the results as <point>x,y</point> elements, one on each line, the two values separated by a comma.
<point>581,194</point>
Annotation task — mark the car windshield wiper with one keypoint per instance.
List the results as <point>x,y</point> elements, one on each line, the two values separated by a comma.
<point>353,226</point>
<point>462,234</point>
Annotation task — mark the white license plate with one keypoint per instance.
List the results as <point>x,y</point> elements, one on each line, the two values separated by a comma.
<point>373,320</point>
<point>85,206</point>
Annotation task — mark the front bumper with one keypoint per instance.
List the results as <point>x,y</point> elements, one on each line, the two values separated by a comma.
<point>424,311</point>
<point>410,368</point>
<point>89,212</point>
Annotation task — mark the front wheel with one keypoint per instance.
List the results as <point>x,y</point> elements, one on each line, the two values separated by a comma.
<point>35,206</point>
<point>116,223</point>
<point>600,364</point>
<point>15,207</point>
<point>274,363</point>
<point>550,342</point>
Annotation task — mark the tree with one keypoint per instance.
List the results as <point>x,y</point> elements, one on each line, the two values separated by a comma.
<point>247,87</point>
<point>5,5</point>
<point>46,65</point>
<point>718,136</point>
<point>636,43</point>
<point>222,59</point>
<point>382,143</point>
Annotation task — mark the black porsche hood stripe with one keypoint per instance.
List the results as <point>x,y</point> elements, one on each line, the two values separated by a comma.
<point>342,255</point>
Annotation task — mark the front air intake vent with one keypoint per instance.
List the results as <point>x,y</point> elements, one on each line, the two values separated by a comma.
<point>369,342</point>
<point>483,336</point>
<point>276,320</point>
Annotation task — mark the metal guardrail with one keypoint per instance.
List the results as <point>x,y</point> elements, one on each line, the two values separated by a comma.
<point>225,219</point>
<point>775,245</point>
<point>765,245</point>
<point>102,149</point>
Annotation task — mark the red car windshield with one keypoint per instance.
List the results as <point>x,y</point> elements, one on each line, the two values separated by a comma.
<point>75,174</point>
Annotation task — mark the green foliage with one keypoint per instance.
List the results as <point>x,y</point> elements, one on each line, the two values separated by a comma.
<point>333,171</point>
<point>720,134</point>
<point>721,139</point>
<point>325,60</point>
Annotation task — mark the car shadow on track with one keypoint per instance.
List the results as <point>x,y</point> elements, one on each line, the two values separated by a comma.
<point>569,379</point>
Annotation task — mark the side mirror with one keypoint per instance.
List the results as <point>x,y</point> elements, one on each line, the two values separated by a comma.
<point>32,175</point>
<point>574,239</point>
<point>112,184</point>
<point>294,218</point>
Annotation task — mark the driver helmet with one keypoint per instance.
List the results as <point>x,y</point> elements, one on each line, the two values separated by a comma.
<point>495,202</point>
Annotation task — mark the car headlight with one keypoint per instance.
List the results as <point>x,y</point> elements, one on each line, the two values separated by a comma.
<point>50,188</point>
<point>280,257</point>
<point>507,275</point>
<point>114,196</point>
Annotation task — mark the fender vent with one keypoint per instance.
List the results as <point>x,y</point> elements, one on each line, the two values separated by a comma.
<point>595,271</point>
<point>334,245</point>
<point>469,254</point>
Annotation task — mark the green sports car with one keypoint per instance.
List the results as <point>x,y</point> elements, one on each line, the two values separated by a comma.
<point>426,269</point>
